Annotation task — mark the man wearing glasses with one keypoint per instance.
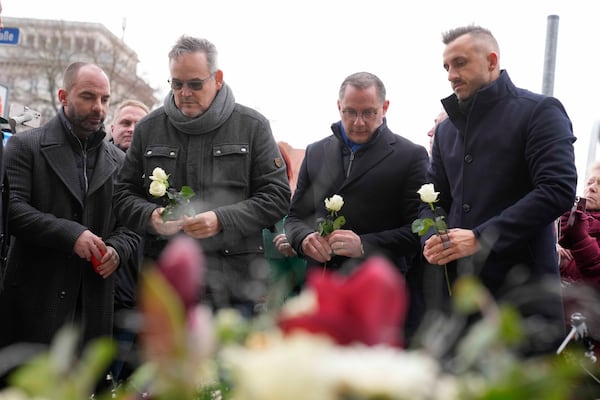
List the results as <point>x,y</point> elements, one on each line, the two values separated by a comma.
<point>376,172</point>
<point>227,154</point>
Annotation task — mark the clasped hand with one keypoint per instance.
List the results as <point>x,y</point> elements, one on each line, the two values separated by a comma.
<point>341,242</point>
<point>462,244</point>
<point>200,226</point>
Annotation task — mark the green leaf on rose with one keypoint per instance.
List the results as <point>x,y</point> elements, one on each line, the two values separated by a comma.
<point>339,222</point>
<point>421,226</point>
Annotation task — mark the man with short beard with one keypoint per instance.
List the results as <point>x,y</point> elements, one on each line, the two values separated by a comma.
<point>60,216</point>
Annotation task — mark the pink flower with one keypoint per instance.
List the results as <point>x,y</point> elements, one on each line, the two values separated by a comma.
<point>182,265</point>
<point>369,306</point>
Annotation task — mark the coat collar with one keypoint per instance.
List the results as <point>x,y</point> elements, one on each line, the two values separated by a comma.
<point>481,100</point>
<point>56,147</point>
<point>366,158</point>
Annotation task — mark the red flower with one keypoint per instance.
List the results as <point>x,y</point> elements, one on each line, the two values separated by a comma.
<point>182,265</point>
<point>369,306</point>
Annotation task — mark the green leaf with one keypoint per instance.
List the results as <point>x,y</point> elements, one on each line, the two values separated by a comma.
<point>339,222</point>
<point>421,226</point>
<point>325,227</point>
<point>187,192</point>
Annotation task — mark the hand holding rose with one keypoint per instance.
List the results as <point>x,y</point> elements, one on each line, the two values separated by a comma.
<point>462,243</point>
<point>316,247</point>
<point>162,227</point>
<point>345,243</point>
<point>203,225</point>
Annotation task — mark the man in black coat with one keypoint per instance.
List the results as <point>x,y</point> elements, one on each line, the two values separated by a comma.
<point>376,172</point>
<point>503,164</point>
<point>60,215</point>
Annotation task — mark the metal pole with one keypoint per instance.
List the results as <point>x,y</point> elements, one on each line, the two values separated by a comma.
<point>550,56</point>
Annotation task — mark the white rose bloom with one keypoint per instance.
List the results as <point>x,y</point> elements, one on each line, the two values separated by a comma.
<point>334,203</point>
<point>157,189</point>
<point>428,193</point>
<point>159,174</point>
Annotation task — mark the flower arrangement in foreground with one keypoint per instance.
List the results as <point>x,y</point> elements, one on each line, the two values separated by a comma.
<point>340,339</point>
<point>438,223</point>
<point>178,203</point>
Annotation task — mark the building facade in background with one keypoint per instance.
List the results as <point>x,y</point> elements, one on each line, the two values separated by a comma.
<point>32,69</point>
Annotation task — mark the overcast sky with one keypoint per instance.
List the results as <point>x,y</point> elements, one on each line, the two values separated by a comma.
<point>287,59</point>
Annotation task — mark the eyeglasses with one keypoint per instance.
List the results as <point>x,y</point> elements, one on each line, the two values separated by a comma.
<point>193,84</point>
<point>352,115</point>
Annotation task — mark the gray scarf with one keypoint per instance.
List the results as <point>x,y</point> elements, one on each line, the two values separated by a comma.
<point>218,112</point>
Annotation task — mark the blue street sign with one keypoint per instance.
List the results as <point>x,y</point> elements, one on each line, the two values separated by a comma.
<point>9,36</point>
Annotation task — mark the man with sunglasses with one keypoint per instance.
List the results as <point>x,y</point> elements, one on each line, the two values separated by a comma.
<point>227,154</point>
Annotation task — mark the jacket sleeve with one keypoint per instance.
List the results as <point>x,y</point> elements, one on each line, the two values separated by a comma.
<point>301,220</point>
<point>125,242</point>
<point>24,220</point>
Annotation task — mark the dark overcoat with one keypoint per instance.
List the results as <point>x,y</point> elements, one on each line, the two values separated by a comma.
<point>380,193</point>
<point>505,169</point>
<point>45,281</point>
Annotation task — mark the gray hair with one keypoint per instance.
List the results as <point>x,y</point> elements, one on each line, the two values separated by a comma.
<point>188,44</point>
<point>363,80</point>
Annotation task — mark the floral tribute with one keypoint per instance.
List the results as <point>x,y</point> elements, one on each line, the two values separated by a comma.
<point>438,223</point>
<point>367,307</point>
<point>340,339</point>
<point>178,203</point>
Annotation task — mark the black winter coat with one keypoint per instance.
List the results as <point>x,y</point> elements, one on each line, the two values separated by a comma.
<point>45,281</point>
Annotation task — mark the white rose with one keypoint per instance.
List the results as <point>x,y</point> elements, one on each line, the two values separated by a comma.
<point>334,203</point>
<point>428,193</point>
<point>157,189</point>
<point>159,174</point>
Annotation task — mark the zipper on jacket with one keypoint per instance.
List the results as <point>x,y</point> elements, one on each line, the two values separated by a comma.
<point>350,163</point>
<point>84,154</point>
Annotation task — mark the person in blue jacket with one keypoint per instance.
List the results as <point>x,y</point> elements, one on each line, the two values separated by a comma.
<point>503,164</point>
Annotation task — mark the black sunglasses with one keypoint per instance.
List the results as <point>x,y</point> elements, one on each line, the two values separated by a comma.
<point>193,84</point>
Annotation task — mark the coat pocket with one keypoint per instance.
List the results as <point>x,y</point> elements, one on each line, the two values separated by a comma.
<point>231,165</point>
<point>161,156</point>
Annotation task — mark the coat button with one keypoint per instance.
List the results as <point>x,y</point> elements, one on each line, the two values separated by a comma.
<point>172,154</point>
<point>63,294</point>
<point>466,207</point>
<point>149,153</point>
<point>217,152</point>
<point>468,159</point>
<point>226,251</point>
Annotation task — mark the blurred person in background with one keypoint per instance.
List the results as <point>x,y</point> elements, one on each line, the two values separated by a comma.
<point>580,261</point>
<point>436,121</point>
<point>126,324</point>
<point>288,270</point>
<point>126,115</point>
